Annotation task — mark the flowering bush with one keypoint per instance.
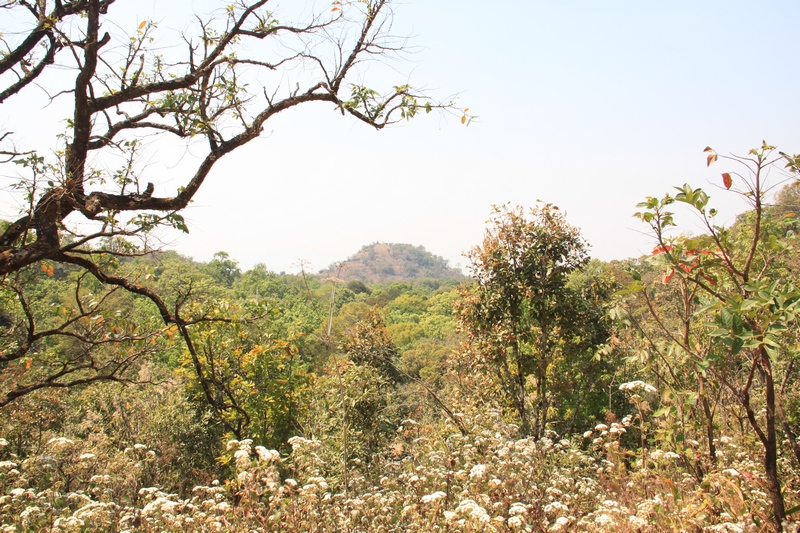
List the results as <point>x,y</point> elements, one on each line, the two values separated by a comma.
<point>434,479</point>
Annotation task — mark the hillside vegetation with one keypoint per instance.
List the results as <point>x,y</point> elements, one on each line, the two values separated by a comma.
<point>144,392</point>
<point>549,392</point>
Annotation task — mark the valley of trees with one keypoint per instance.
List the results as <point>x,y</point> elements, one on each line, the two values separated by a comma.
<point>545,391</point>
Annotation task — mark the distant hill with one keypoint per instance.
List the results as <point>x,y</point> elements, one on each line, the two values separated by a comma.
<point>384,263</point>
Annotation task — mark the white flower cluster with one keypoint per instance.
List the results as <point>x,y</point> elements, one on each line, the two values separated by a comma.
<point>474,511</point>
<point>434,497</point>
<point>441,480</point>
<point>633,386</point>
<point>477,471</point>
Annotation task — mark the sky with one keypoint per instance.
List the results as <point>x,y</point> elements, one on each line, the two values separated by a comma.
<point>590,105</point>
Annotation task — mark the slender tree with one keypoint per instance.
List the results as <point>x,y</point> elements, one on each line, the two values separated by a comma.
<point>749,306</point>
<point>522,315</point>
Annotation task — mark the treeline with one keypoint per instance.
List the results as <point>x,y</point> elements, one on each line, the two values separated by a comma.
<point>547,392</point>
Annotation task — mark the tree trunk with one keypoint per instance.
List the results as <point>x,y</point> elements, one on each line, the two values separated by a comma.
<point>712,449</point>
<point>771,445</point>
<point>787,429</point>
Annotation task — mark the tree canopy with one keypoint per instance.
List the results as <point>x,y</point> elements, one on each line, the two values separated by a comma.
<point>523,315</point>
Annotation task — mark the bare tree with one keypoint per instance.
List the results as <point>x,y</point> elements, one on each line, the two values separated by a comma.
<point>121,89</point>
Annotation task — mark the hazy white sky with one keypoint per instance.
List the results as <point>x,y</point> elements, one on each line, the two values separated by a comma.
<point>587,104</point>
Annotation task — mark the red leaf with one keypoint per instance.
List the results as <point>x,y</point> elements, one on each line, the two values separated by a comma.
<point>667,276</point>
<point>710,279</point>
<point>726,180</point>
<point>661,249</point>
<point>708,149</point>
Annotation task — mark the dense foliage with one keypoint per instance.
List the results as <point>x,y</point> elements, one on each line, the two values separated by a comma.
<point>144,391</point>
<point>535,317</point>
<point>653,389</point>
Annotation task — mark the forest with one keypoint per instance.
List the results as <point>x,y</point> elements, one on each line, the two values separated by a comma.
<point>545,392</point>
<point>541,390</point>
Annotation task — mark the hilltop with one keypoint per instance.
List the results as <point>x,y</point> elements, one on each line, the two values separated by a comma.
<point>387,262</point>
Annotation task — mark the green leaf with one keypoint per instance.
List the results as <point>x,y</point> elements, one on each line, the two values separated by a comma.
<point>661,412</point>
<point>793,510</point>
<point>737,346</point>
<point>769,340</point>
<point>632,288</point>
<point>752,342</point>
<point>694,197</point>
<point>749,304</point>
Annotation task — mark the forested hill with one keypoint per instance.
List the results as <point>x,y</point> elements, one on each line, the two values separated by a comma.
<point>385,262</point>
